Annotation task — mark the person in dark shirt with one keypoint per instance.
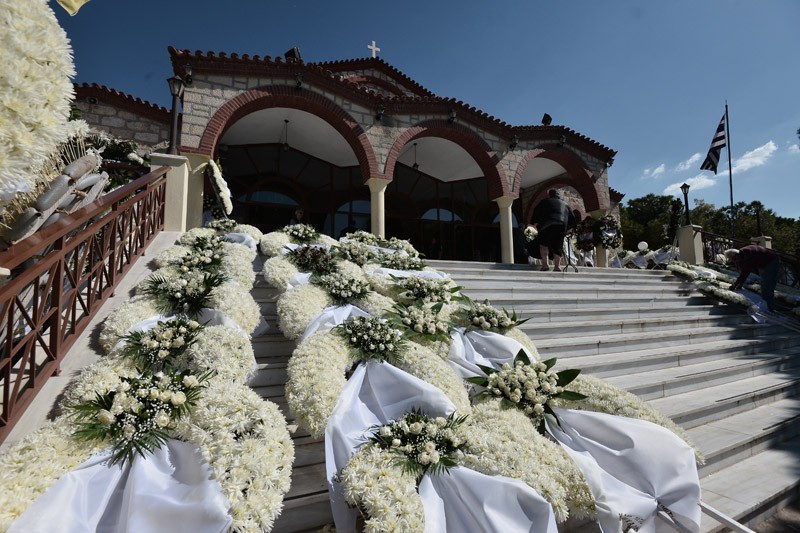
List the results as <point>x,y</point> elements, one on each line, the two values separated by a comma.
<point>298,218</point>
<point>553,218</point>
<point>754,258</point>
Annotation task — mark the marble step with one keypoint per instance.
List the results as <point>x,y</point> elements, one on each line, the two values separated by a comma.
<point>634,301</point>
<point>667,382</point>
<point>702,406</point>
<point>505,292</point>
<point>540,283</point>
<point>751,489</point>
<point>673,356</point>
<point>602,325</point>
<point>601,345</point>
<point>454,267</point>
<point>731,440</point>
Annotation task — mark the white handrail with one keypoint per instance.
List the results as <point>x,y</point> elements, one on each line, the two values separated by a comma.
<point>724,519</point>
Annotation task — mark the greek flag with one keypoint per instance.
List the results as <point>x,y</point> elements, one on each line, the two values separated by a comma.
<point>717,144</point>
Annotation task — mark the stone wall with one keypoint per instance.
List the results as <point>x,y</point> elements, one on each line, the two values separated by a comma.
<point>123,124</point>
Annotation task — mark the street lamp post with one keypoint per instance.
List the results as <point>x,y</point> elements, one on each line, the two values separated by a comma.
<point>685,189</point>
<point>176,89</point>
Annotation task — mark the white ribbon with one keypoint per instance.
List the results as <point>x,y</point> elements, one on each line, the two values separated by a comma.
<point>486,348</point>
<point>243,239</point>
<point>170,489</point>
<point>297,279</point>
<point>631,466</point>
<point>466,500</point>
<point>332,316</point>
<point>428,274</point>
<point>375,394</point>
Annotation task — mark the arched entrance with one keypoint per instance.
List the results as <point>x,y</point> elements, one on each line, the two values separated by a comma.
<point>444,178</point>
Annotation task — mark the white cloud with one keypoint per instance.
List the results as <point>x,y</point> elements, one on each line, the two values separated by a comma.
<point>794,149</point>
<point>755,158</point>
<point>689,163</point>
<point>696,183</point>
<point>654,172</point>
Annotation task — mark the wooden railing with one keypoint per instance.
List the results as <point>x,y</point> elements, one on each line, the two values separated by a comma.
<point>61,276</point>
<point>715,245</point>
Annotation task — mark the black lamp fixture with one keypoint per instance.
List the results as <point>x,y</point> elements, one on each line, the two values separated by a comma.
<point>285,135</point>
<point>562,141</point>
<point>452,117</point>
<point>415,166</point>
<point>187,74</point>
<point>176,85</point>
<point>293,54</point>
<point>547,120</point>
<point>379,111</point>
<point>685,190</point>
<point>514,142</point>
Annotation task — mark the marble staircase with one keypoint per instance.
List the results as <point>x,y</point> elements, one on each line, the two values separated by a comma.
<point>731,383</point>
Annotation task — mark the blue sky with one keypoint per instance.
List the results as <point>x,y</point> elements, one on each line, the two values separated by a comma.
<point>646,78</point>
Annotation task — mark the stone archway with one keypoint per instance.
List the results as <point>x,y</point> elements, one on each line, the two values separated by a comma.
<point>476,147</point>
<point>291,97</point>
<point>578,175</point>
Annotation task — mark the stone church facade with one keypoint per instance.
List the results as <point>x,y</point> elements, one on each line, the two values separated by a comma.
<point>359,143</point>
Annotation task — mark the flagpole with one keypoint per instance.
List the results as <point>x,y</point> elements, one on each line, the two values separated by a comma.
<point>730,167</point>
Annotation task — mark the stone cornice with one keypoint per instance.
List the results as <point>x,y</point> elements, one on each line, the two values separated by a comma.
<point>121,100</point>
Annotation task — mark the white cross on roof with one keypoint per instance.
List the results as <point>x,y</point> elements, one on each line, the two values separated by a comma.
<point>374,49</point>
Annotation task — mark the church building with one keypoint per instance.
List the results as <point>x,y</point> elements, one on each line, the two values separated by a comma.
<point>357,143</point>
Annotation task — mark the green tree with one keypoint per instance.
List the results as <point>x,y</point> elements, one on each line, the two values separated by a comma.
<point>652,218</point>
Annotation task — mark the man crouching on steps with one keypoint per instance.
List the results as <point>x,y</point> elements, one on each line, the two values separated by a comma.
<point>754,258</point>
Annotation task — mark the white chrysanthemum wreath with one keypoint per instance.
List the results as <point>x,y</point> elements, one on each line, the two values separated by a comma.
<point>35,92</point>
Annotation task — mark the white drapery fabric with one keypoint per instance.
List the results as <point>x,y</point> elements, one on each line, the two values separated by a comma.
<point>486,348</point>
<point>631,466</point>
<point>378,393</point>
<point>243,239</point>
<point>465,500</point>
<point>428,274</point>
<point>332,316</point>
<point>170,490</point>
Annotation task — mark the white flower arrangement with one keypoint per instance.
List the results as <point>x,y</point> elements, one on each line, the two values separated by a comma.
<point>415,290</point>
<point>222,225</point>
<point>124,317</point>
<point>603,397</point>
<point>348,268</point>
<point>247,229</point>
<point>33,464</point>
<point>188,238</point>
<point>483,316</point>
<point>401,245</point>
<point>519,336</point>
<point>36,93</point>
<point>162,346</point>
<point>316,377</point>
<point>356,252</point>
<point>363,237</point>
<point>342,288</point>
<point>245,441</point>
<point>221,186</point>
<point>530,233</point>
<point>298,307</point>
<point>273,243</point>
<point>420,322</point>
<point>175,292</point>
<point>375,304</point>
<point>301,233</point>
<point>236,302</point>
<point>721,291</point>
<point>278,270</point>
<point>505,442</point>
<point>424,444</point>
<point>376,483</point>
<point>399,260</point>
<point>421,362</point>
<point>170,255</point>
<point>371,338</point>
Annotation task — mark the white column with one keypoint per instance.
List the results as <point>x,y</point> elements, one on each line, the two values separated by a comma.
<point>506,229</point>
<point>601,256</point>
<point>690,244</point>
<point>176,213</point>
<point>377,187</point>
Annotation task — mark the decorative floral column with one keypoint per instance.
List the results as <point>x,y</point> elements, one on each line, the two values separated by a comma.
<point>377,187</point>
<point>506,230</point>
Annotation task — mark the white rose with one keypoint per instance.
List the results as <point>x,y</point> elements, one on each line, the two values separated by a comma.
<point>178,398</point>
<point>190,381</point>
<point>105,417</point>
<point>162,419</point>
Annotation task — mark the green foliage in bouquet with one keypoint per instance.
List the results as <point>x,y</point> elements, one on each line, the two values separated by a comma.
<point>163,346</point>
<point>186,295</point>
<point>223,225</point>
<point>528,386</point>
<point>314,259</point>
<point>422,444</point>
<point>139,414</point>
<point>371,338</point>
<point>418,291</point>
<point>341,287</point>
<point>484,317</point>
<point>420,322</point>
